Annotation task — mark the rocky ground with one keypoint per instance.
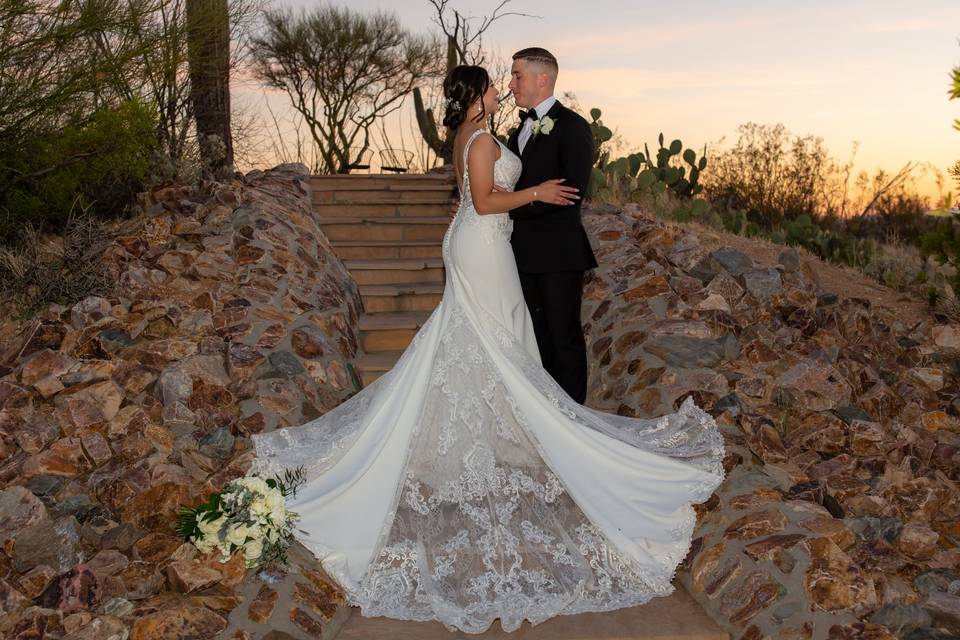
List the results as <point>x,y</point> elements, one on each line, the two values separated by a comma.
<point>838,401</point>
<point>839,404</point>
<point>231,316</point>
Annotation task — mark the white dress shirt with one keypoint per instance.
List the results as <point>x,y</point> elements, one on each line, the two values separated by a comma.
<point>527,129</point>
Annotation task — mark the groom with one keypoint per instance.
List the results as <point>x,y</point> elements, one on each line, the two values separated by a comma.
<point>550,245</point>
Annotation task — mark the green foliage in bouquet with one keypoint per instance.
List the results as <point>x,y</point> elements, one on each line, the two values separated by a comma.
<point>249,514</point>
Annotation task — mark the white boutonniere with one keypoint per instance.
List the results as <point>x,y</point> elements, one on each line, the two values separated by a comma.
<point>544,125</point>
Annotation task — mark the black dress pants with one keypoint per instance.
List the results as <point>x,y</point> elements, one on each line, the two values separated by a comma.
<point>554,303</point>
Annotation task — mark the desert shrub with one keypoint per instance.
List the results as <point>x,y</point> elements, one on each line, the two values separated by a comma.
<point>96,166</point>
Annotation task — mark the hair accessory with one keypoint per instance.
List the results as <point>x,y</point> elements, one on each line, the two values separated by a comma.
<point>453,104</point>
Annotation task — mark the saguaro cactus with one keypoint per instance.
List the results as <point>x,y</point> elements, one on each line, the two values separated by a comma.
<point>208,48</point>
<point>440,143</point>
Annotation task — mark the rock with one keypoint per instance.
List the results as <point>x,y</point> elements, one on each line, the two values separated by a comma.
<point>789,260</point>
<point>10,599</point>
<point>261,608</point>
<point>714,302</point>
<point>155,509</point>
<point>733,262</point>
<point>754,525</point>
<point>19,509</point>
<point>917,541</point>
<point>178,622</point>
<point>937,421</point>
<point>901,619</point>
<point>762,283</point>
<point>757,592</point>
<point>88,311</point>
<point>77,506</point>
<point>35,581</point>
<point>849,413</point>
<point>102,628</point>
<point>946,335</point>
<point>45,487</point>
<point>284,365</point>
<point>63,458</point>
<point>218,444</point>
<point>37,434</point>
<point>684,351</point>
<point>107,563</point>
<point>932,377</point>
<point>833,582</point>
<point>859,631</point>
<point>37,622</point>
<point>56,544</point>
<point>46,364</point>
<point>305,622</point>
<point>872,528</point>
<point>832,528</point>
<point>325,597</point>
<point>935,580</point>
<point>189,575</point>
<point>821,386</point>
<point>945,610</point>
<point>309,342</point>
<point>76,589</point>
<point>767,548</point>
<point>97,448</point>
<point>137,581</point>
<point>726,287</point>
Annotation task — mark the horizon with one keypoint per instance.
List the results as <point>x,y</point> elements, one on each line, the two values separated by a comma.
<point>878,75</point>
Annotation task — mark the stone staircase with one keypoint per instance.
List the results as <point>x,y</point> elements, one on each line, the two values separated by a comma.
<point>387,230</point>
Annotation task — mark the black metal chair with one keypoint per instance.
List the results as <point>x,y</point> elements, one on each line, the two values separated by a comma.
<point>395,160</point>
<point>361,160</point>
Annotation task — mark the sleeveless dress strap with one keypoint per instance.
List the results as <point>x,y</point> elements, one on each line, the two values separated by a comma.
<point>466,150</point>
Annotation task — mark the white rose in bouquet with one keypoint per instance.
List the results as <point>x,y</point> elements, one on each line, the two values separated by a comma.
<point>259,523</point>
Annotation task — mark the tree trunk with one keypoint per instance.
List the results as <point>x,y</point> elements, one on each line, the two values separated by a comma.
<point>208,50</point>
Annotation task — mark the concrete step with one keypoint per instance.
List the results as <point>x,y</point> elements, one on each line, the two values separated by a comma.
<point>379,181</point>
<point>673,617</point>
<point>420,208</point>
<point>413,296</point>
<point>390,331</point>
<point>367,195</point>
<point>392,271</point>
<point>383,249</point>
<point>371,366</point>
<point>406,228</point>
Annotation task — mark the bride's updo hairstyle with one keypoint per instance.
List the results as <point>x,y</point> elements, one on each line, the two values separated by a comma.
<point>462,87</point>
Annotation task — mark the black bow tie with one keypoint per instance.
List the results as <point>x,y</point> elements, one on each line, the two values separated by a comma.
<point>532,114</point>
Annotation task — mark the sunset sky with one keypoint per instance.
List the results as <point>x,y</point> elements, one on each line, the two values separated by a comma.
<point>873,71</point>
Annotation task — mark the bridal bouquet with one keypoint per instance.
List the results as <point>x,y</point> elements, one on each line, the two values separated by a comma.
<point>249,514</point>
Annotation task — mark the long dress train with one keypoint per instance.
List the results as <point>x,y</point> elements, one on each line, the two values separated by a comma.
<point>464,485</point>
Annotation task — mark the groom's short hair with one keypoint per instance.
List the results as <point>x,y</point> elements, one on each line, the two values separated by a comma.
<point>539,56</point>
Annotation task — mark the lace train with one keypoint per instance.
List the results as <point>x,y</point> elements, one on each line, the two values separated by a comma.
<point>481,527</point>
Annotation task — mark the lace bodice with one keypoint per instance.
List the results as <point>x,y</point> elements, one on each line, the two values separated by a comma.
<point>506,173</point>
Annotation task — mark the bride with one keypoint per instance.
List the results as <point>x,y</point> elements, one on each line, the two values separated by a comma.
<point>465,485</point>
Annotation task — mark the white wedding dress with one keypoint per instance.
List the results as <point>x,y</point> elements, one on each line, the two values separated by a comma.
<point>465,485</point>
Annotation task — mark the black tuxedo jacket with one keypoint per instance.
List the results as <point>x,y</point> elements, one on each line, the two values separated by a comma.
<point>547,237</point>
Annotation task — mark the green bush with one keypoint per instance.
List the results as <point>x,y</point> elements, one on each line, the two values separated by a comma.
<point>97,166</point>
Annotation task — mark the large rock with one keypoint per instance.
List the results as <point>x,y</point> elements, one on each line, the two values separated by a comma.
<point>178,622</point>
<point>56,544</point>
<point>19,509</point>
